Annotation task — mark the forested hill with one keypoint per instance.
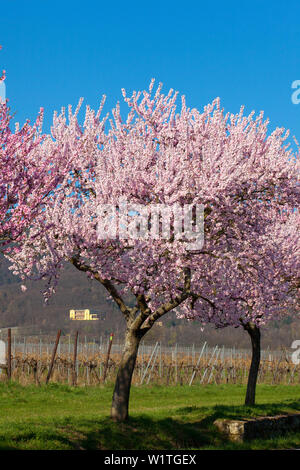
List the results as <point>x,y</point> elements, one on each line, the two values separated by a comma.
<point>75,290</point>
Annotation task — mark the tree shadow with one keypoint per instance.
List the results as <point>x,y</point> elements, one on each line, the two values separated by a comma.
<point>190,427</point>
<point>144,433</point>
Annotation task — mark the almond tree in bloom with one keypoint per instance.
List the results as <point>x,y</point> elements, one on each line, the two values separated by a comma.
<point>21,188</point>
<point>176,158</point>
<point>29,171</point>
<point>266,290</point>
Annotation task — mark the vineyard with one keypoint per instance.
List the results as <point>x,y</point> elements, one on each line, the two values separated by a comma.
<point>97,363</point>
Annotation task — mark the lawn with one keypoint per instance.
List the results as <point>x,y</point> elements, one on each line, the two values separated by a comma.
<point>60,417</point>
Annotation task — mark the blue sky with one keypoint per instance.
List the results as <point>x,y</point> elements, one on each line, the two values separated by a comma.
<point>244,52</point>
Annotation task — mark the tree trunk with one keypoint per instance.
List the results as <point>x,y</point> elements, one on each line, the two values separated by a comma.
<point>120,401</point>
<point>254,333</point>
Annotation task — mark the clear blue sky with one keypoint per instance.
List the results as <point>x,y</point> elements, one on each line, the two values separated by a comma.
<point>245,52</point>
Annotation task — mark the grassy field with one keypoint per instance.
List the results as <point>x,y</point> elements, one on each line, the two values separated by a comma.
<point>60,417</point>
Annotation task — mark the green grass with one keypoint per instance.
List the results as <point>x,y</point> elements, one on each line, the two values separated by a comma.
<point>181,417</point>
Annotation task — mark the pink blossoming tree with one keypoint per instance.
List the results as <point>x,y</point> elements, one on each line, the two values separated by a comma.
<point>29,171</point>
<point>264,291</point>
<point>177,158</point>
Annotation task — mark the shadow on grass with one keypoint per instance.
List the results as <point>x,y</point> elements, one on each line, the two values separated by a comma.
<point>192,430</point>
<point>188,428</point>
<point>240,412</point>
<point>137,433</point>
<point>144,433</point>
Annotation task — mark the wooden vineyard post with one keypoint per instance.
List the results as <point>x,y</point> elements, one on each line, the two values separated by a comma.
<point>74,377</point>
<point>9,354</point>
<point>53,356</point>
<point>210,361</point>
<point>107,357</point>
<point>149,362</point>
<point>195,368</point>
<point>153,362</point>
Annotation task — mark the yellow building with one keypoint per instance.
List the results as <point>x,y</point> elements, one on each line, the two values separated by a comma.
<point>82,315</point>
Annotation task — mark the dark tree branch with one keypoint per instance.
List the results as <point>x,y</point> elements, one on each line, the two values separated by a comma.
<point>168,306</point>
<point>127,312</point>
